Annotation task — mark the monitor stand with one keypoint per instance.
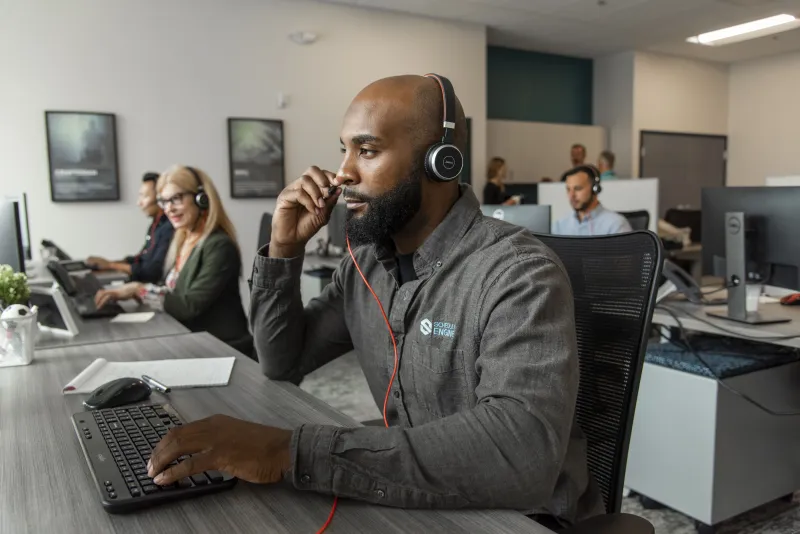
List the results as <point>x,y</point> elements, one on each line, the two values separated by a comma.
<point>735,258</point>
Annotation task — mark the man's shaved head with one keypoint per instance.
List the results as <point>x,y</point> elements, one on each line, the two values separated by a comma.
<point>386,133</point>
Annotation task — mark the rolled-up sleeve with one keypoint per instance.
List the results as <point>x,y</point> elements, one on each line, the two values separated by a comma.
<point>505,452</point>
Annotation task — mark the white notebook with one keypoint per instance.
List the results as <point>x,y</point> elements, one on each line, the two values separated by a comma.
<point>185,373</point>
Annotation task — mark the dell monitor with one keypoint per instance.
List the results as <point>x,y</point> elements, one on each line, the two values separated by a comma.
<point>534,218</point>
<point>750,236</point>
<point>336,226</point>
<point>11,251</point>
<point>22,201</point>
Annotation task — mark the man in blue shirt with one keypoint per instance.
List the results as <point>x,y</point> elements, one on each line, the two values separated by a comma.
<point>590,217</point>
<point>605,164</point>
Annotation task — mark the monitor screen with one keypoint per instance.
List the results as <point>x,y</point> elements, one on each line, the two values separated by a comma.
<point>11,251</point>
<point>336,226</point>
<point>22,201</point>
<point>534,218</point>
<point>771,216</point>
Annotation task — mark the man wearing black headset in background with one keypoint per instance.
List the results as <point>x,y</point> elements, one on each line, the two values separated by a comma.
<point>477,372</point>
<point>148,264</point>
<point>589,217</point>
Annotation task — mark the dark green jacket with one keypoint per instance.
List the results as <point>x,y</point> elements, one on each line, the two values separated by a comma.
<point>206,296</point>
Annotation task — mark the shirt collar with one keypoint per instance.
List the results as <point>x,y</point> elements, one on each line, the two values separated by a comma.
<point>592,214</point>
<point>443,238</point>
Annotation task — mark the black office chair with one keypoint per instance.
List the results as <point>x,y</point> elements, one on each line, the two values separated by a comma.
<point>639,220</point>
<point>265,231</point>
<point>613,283</point>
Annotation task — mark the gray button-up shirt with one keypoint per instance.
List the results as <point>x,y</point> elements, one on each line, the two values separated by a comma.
<point>481,410</point>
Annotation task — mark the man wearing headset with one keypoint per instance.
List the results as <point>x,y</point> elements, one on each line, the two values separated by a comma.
<point>148,264</point>
<point>590,217</point>
<point>471,354</point>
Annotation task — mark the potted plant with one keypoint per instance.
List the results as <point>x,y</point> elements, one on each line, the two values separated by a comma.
<point>17,321</point>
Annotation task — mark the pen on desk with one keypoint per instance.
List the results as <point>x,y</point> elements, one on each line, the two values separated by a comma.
<point>155,384</point>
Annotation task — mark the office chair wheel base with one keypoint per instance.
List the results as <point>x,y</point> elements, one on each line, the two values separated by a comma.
<point>650,504</point>
<point>702,528</point>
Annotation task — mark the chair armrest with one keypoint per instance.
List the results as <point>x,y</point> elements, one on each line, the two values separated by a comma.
<point>613,524</point>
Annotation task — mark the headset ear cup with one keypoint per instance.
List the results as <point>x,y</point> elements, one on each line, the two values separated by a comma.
<point>443,162</point>
<point>201,199</point>
<point>597,188</point>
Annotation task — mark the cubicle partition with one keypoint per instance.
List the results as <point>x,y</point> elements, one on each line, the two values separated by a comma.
<point>617,195</point>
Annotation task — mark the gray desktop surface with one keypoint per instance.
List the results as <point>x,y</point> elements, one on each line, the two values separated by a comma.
<point>45,484</point>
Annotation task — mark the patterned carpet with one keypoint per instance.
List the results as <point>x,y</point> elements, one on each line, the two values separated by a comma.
<point>342,385</point>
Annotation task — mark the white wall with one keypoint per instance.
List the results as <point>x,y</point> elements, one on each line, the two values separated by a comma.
<point>174,71</point>
<point>764,119</point>
<point>612,106</point>
<point>645,91</point>
<point>673,94</point>
<point>533,150</point>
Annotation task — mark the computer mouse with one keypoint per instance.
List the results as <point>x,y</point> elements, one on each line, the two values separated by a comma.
<point>118,392</point>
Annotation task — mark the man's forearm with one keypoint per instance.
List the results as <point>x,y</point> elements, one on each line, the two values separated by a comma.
<point>291,340</point>
<point>498,455</point>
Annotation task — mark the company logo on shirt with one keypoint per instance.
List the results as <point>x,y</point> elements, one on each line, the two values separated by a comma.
<point>437,328</point>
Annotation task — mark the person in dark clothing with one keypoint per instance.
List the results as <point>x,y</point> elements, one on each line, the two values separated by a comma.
<point>494,192</point>
<point>201,287</point>
<point>148,264</point>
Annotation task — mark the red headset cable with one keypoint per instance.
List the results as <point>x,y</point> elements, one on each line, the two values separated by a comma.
<point>391,380</point>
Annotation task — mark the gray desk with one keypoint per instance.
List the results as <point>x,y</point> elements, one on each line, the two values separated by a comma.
<point>45,485</point>
<point>91,331</point>
<point>701,449</point>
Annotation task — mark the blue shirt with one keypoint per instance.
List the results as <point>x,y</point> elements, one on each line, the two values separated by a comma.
<point>608,175</point>
<point>599,221</point>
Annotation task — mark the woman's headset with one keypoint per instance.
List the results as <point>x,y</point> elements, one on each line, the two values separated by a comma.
<point>444,161</point>
<point>200,197</point>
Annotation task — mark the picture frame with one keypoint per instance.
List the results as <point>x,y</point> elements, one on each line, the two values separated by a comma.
<point>82,156</point>
<point>256,157</point>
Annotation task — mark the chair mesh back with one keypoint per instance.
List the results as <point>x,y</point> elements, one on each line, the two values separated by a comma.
<point>265,230</point>
<point>613,285</point>
<point>639,220</point>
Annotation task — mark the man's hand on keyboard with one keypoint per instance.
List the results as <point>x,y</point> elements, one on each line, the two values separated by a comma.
<point>249,451</point>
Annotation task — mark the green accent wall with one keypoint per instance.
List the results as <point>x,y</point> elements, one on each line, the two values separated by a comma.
<point>531,86</point>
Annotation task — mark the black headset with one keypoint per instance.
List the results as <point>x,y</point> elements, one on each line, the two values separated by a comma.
<point>444,161</point>
<point>201,197</point>
<point>593,173</point>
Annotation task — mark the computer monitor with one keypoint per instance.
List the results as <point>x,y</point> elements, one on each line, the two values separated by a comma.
<point>750,236</point>
<point>773,220</point>
<point>336,226</point>
<point>11,251</point>
<point>534,218</point>
<point>22,200</point>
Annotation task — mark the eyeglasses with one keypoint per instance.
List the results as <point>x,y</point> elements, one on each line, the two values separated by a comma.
<point>175,200</point>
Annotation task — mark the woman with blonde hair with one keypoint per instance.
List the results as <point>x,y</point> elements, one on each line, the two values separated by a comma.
<point>494,192</point>
<point>200,286</point>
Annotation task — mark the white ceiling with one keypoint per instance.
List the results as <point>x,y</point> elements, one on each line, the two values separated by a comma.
<point>592,28</point>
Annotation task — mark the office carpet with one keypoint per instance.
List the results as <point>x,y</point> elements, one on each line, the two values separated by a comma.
<point>342,385</point>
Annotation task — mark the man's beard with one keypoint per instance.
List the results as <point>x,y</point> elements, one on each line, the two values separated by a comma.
<point>387,214</point>
<point>582,206</point>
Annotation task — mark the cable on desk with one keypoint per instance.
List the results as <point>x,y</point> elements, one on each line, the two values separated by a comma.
<point>673,312</point>
<point>696,354</point>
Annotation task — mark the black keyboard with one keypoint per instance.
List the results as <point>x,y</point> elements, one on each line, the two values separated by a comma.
<point>87,309</point>
<point>117,443</point>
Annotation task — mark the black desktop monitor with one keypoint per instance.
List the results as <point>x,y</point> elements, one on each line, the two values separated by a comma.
<point>336,226</point>
<point>22,201</point>
<point>534,218</point>
<point>11,251</point>
<point>772,219</point>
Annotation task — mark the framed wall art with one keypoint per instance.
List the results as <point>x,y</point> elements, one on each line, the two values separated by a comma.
<point>82,153</point>
<point>256,157</point>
